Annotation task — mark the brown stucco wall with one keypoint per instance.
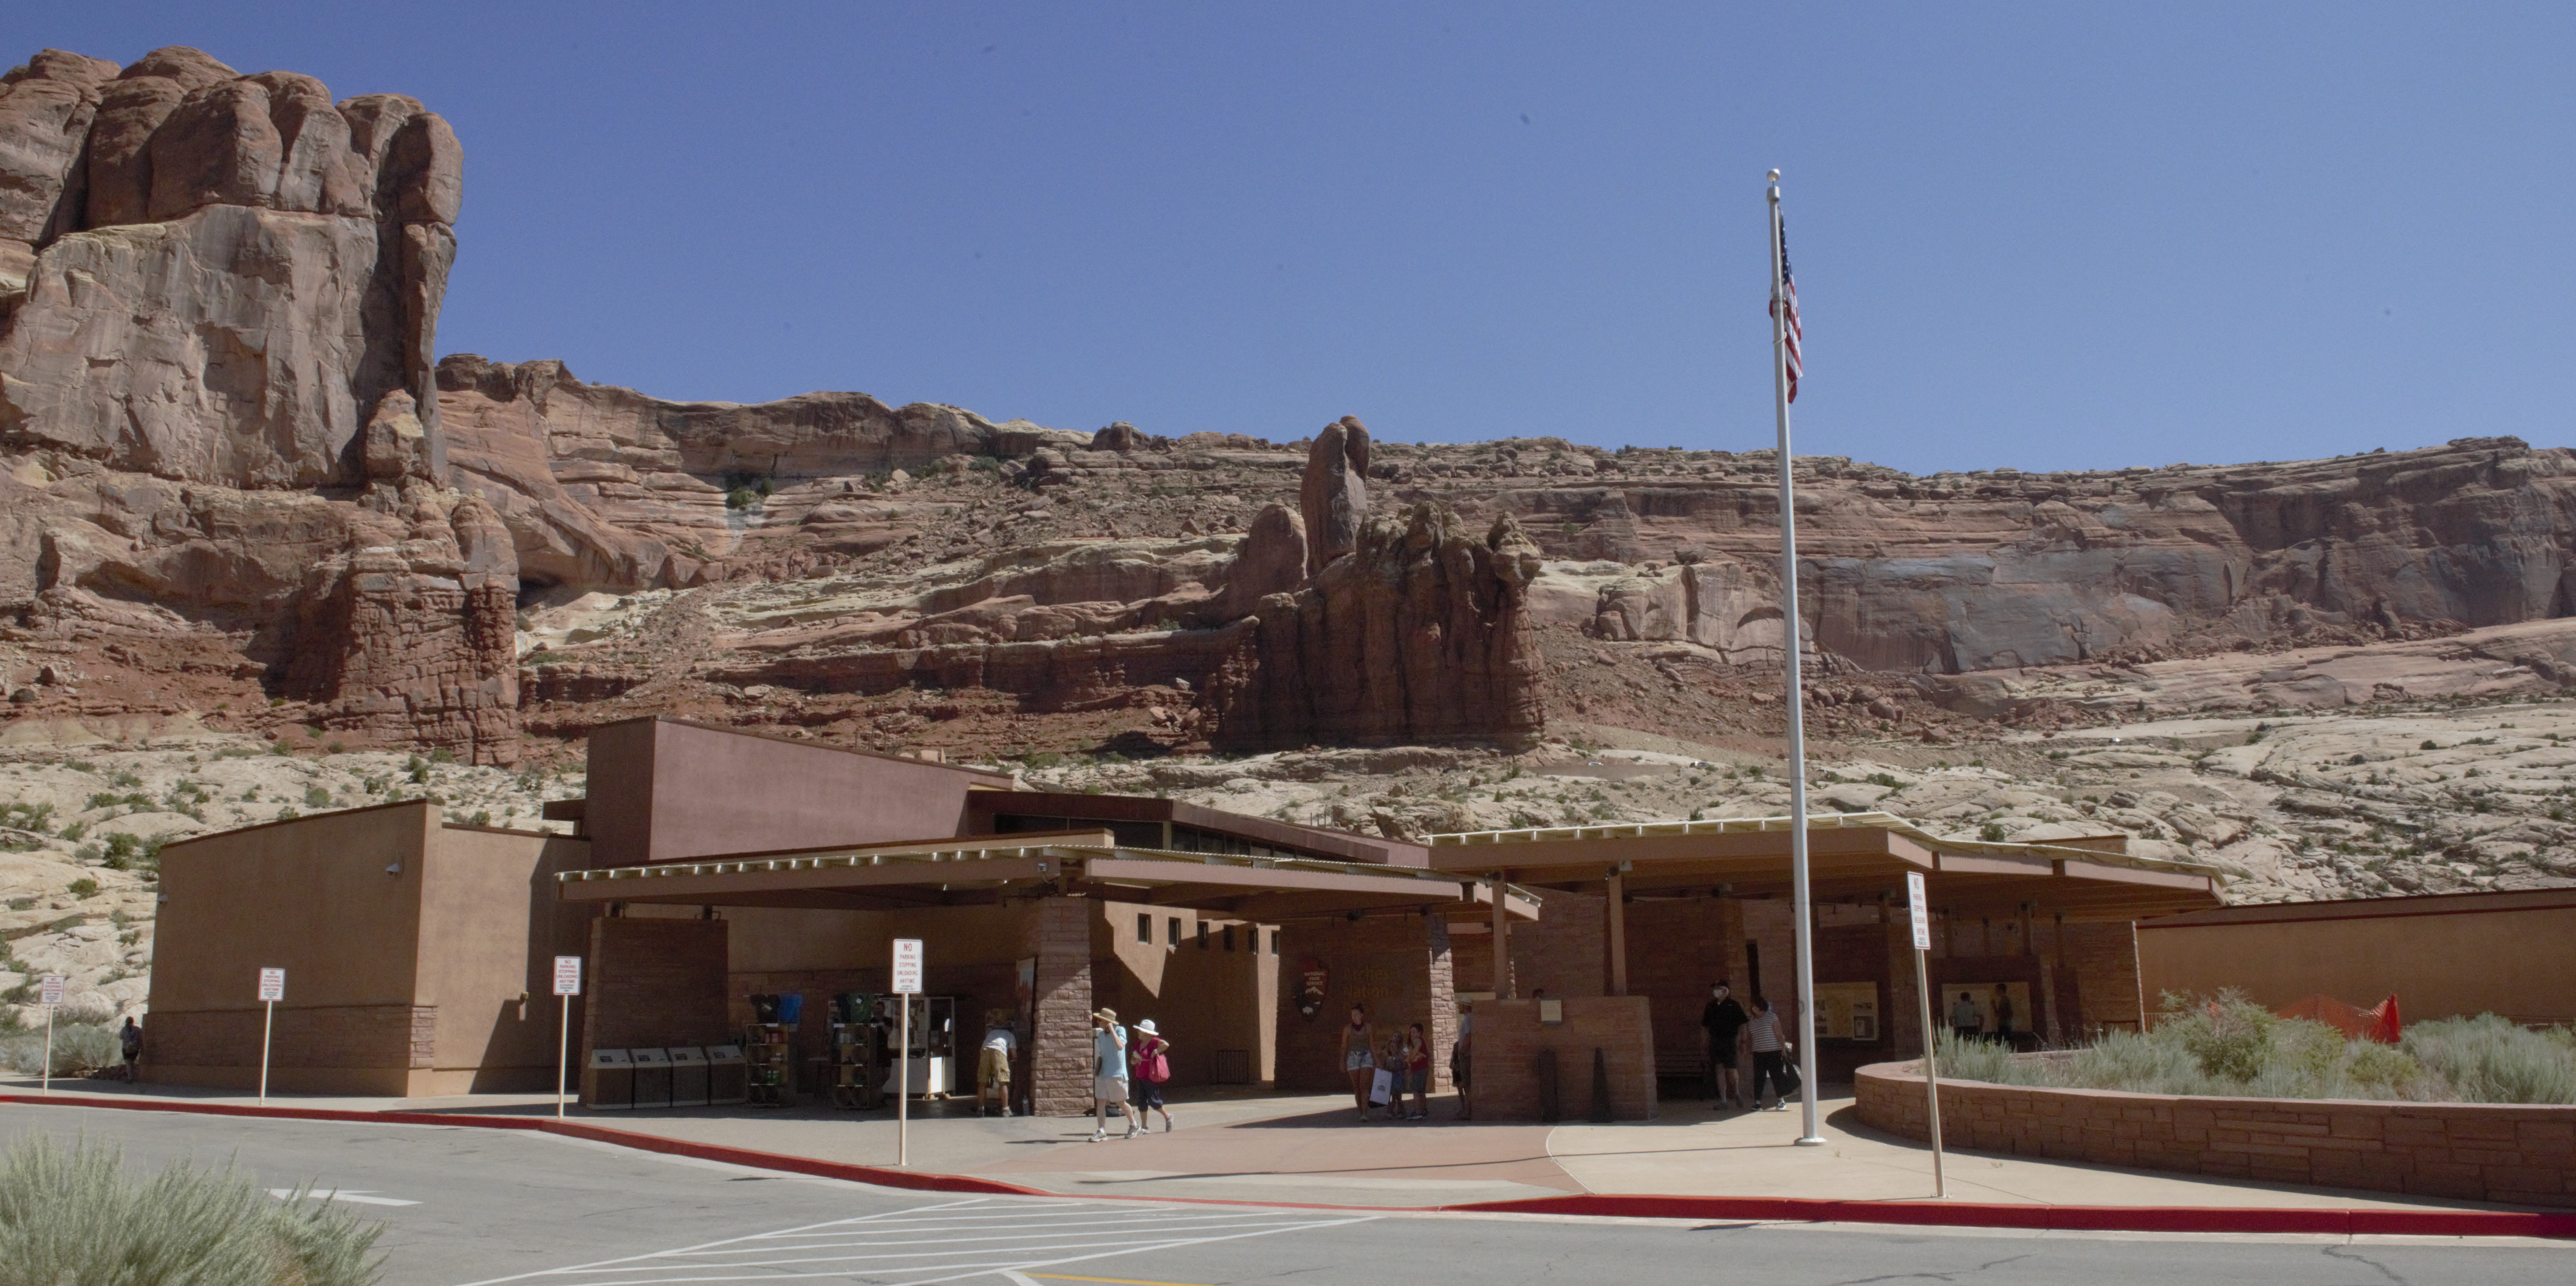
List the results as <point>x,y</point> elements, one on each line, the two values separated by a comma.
<point>1202,996</point>
<point>311,896</point>
<point>663,790</point>
<point>2477,1151</point>
<point>1398,965</point>
<point>2509,954</point>
<point>490,929</point>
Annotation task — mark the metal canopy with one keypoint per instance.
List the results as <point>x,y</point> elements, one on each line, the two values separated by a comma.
<point>1854,857</point>
<point>987,869</point>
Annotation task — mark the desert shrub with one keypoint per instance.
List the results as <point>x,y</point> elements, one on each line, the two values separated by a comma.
<point>71,1214</point>
<point>2487,1059</point>
<point>83,887</point>
<point>317,797</point>
<point>78,1047</point>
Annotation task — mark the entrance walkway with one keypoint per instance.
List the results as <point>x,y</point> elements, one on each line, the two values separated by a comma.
<point>1308,1149</point>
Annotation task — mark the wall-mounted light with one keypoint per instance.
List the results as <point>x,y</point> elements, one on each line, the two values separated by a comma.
<point>394,867</point>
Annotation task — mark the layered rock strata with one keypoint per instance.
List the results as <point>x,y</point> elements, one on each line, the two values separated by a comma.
<point>1421,634</point>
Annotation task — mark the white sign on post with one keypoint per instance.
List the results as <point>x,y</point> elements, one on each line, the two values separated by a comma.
<point>1922,913</point>
<point>272,988</point>
<point>567,984</point>
<point>907,966</point>
<point>51,989</point>
<point>567,975</point>
<point>272,984</point>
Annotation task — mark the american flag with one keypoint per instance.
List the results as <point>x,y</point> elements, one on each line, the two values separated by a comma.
<point>1789,296</point>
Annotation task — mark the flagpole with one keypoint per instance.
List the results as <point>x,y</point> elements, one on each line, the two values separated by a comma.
<point>1798,895</point>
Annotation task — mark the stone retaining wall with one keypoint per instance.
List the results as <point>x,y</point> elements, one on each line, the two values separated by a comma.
<point>2477,1151</point>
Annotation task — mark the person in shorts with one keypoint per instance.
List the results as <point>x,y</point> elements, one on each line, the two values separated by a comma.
<point>993,1064</point>
<point>1359,1057</point>
<point>1145,1088</point>
<point>1108,1072</point>
<point>1720,1019</point>
<point>1415,1078</point>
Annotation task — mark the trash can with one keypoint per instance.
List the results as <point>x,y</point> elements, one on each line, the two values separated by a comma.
<point>688,1076</point>
<point>611,1083</point>
<point>726,1079</point>
<point>652,1077</point>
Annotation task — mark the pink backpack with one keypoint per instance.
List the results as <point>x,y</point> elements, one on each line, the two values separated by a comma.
<point>1157,1068</point>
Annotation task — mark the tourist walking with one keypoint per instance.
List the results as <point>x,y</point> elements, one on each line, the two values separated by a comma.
<point>993,1064</point>
<point>1416,1076</point>
<point>2003,1008</point>
<point>1149,1055</point>
<point>1359,1057</point>
<point>1965,1022</point>
<point>1108,1073</point>
<point>130,1041</point>
<point>1770,1051</point>
<point>1462,1060</point>
<point>1720,1019</point>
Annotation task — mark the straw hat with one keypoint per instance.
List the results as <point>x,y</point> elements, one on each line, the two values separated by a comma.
<point>1105,1015</point>
<point>1147,1027</point>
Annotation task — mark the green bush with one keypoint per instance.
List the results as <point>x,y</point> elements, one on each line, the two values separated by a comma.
<point>78,1047</point>
<point>317,797</point>
<point>2228,1045</point>
<point>83,887</point>
<point>71,1215</point>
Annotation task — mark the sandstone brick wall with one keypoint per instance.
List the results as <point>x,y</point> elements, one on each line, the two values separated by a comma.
<point>1058,932</point>
<point>653,982</point>
<point>1509,1037</point>
<point>2474,1151</point>
<point>1398,965</point>
<point>2105,960</point>
<point>330,1037</point>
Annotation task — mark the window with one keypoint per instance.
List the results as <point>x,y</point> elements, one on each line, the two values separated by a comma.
<point>1229,937</point>
<point>1274,942</point>
<point>1203,936</point>
<point>1172,931</point>
<point>1145,929</point>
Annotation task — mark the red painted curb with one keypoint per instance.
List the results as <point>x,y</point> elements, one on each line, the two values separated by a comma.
<point>2348,1222</point>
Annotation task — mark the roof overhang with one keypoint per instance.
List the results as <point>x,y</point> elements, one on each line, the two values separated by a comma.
<point>1851,857</point>
<point>984,870</point>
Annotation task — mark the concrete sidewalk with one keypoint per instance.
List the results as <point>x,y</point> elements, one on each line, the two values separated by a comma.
<point>1309,1149</point>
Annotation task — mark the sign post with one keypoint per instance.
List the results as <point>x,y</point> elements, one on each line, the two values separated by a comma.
<point>567,986</point>
<point>51,992</point>
<point>907,984</point>
<point>272,988</point>
<point>1922,917</point>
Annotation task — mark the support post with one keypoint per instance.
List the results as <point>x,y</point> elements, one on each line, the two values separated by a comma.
<point>1502,935</point>
<point>267,1025</point>
<point>1931,1079</point>
<point>49,1050</point>
<point>563,1050</point>
<point>903,1085</point>
<point>1618,934</point>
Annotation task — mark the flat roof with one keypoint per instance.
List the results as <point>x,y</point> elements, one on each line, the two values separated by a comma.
<point>1344,845</point>
<point>2480,903</point>
<point>984,870</point>
<point>1852,857</point>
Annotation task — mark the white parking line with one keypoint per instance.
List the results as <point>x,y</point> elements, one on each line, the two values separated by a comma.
<point>974,1238</point>
<point>342,1194</point>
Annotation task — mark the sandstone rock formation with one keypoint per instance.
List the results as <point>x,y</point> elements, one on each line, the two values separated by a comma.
<point>218,276</point>
<point>1422,635</point>
<point>1333,496</point>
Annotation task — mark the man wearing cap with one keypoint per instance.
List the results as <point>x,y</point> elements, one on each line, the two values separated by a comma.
<point>1108,1072</point>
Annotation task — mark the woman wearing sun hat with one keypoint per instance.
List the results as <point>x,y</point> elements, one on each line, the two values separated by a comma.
<point>1108,1072</point>
<point>1149,1055</point>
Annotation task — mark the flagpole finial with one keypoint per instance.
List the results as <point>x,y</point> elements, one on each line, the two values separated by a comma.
<point>1775,176</point>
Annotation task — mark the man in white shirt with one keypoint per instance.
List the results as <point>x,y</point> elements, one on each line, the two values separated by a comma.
<point>993,1066</point>
<point>1108,1072</point>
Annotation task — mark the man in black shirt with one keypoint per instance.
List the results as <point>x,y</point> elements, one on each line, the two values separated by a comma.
<point>1720,1020</point>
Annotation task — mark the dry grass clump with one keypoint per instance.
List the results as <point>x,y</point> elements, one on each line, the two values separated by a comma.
<point>70,1217</point>
<point>2228,1045</point>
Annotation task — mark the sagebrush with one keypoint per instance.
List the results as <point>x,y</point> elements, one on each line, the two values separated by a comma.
<point>2228,1045</point>
<point>70,1216</point>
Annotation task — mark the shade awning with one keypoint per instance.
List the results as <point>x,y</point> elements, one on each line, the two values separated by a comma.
<point>987,869</point>
<point>1851,857</point>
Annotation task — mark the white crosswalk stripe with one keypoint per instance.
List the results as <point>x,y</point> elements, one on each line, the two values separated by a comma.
<point>1002,1237</point>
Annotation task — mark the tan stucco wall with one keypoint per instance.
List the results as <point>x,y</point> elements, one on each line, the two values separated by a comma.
<point>1203,999</point>
<point>311,896</point>
<point>2517,963</point>
<point>490,929</point>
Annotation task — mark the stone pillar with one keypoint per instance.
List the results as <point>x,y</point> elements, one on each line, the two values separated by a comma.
<point>1618,899</point>
<point>1057,930</point>
<point>1443,1027</point>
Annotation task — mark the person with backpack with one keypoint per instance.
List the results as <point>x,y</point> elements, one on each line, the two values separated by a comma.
<point>130,1042</point>
<point>1152,1058</point>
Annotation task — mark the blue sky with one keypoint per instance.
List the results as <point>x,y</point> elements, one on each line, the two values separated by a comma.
<point>2036,236</point>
